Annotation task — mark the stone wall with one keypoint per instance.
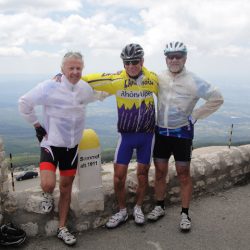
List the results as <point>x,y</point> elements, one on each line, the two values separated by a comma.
<point>3,180</point>
<point>213,169</point>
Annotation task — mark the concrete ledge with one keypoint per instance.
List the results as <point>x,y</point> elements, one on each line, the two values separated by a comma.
<point>212,169</point>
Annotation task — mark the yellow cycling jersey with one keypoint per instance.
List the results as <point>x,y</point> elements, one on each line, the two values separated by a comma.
<point>135,102</point>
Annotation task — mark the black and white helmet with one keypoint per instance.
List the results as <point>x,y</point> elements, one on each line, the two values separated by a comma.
<point>132,51</point>
<point>11,235</point>
<point>175,46</point>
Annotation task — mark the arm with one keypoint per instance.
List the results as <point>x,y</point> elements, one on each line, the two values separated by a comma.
<point>213,99</point>
<point>100,95</point>
<point>26,105</point>
<point>97,95</point>
<point>104,82</point>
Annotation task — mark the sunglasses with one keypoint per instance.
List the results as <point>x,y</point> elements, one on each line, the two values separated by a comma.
<point>176,56</point>
<point>131,62</point>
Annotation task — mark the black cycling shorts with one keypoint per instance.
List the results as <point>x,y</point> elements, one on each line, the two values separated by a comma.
<point>65,158</point>
<point>165,146</point>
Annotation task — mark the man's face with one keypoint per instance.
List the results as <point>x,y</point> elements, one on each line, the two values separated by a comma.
<point>176,61</point>
<point>133,67</point>
<point>72,69</point>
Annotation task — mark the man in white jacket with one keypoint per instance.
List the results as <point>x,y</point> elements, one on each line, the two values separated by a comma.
<point>179,91</point>
<point>64,104</point>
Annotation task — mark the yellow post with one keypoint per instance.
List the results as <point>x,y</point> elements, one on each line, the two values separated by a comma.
<point>89,179</point>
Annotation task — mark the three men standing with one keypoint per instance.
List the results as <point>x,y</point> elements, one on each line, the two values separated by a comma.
<point>64,105</point>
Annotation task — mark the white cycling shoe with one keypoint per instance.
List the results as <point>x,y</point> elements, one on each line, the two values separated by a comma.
<point>47,203</point>
<point>156,213</point>
<point>116,220</point>
<point>185,224</point>
<point>64,234</point>
<point>138,216</point>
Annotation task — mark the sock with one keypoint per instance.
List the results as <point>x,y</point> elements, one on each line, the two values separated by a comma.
<point>123,211</point>
<point>47,195</point>
<point>184,210</point>
<point>161,204</point>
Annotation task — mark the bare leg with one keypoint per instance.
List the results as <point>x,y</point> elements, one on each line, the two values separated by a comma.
<point>48,181</point>
<point>65,198</point>
<point>185,184</point>
<point>161,170</point>
<point>142,176</point>
<point>120,174</point>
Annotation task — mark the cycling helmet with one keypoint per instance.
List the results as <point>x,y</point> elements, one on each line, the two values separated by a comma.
<point>132,51</point>
<point>175,47</point>
<point>11,235</point>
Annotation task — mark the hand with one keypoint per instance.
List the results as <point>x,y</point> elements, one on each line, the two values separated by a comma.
<point>57,77</point>
<point>192,120</point>
<point>40,133</point>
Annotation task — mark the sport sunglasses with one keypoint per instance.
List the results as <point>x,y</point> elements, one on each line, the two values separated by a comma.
<point>131,62</point>
<point>176,56</point>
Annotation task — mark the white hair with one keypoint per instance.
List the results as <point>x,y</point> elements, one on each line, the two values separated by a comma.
<point>72,54</point>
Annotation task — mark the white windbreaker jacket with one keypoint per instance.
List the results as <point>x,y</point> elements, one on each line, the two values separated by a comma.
<point>178,95</point>
<point>64,108</point>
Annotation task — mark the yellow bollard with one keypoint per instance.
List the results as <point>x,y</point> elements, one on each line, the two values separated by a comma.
<point>89,179</point>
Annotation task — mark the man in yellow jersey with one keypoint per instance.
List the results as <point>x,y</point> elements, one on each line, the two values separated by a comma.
<point>133,87</point>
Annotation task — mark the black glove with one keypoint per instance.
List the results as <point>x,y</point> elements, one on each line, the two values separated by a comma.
<point>40,133</point>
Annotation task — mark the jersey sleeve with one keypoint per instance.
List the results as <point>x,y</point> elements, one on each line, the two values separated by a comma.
<point>109,83</point>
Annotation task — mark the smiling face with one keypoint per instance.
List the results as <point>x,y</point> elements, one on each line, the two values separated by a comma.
<point>175,62</point>
<point>133,67</point>
<point>72,68</point>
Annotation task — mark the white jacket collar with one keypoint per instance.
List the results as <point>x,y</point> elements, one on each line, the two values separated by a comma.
<point>177,75</point>
<point>68,84</point>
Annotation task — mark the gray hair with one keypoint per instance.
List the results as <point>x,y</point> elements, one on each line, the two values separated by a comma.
<point>72,54</point>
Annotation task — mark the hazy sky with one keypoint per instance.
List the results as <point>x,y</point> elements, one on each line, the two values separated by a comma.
<point>35,34</point>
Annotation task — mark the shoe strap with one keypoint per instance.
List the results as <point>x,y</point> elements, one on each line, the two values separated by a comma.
<point>65,232</point>
<point>116,217</point>
<point>139,213</point>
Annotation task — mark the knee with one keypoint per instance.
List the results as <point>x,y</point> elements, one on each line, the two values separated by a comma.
<point>184,178</point>
<point>160,174</point>
<point>65,189</point>
<point>48,181</point>
<point>119,181</point>
<point>47,186</point>
<point>142,177</point>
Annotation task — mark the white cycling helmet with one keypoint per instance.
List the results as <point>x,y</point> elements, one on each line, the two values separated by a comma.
<point>132,51</point>
<point>175,46</point>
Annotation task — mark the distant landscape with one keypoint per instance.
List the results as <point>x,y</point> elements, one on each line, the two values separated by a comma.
<point>19,137</point>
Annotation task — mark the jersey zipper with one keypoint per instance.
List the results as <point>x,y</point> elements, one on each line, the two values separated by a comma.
<point>139,83</point>
<point>167,105</point>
